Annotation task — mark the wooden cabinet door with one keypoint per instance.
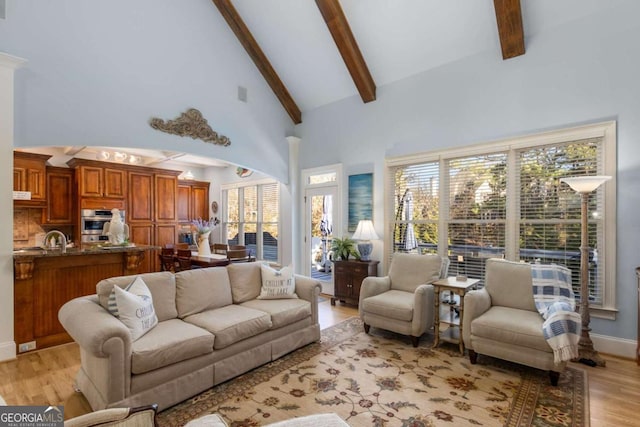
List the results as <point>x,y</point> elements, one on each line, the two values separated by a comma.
<point>200,202</point>
<point>183,205</point>
<point>115,183</point>
<point>36,178</point>
<point>19,179</point>
<point>140,197</point>
<point>29,175</point>
<point>91,181</point>
<point>142,234</point>
<point>60,201</point>
<point>166,191</point>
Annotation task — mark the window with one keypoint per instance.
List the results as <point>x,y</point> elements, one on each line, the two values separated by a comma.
<point>252,218</point>
<point>506,200</point>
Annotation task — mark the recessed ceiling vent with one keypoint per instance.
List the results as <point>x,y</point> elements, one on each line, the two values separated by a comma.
<point>242,93</point>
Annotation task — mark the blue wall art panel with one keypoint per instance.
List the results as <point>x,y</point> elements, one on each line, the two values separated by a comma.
<point>360,199</point>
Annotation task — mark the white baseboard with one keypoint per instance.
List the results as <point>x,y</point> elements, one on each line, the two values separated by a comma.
<point>7,351</point>
<point>615,346</point>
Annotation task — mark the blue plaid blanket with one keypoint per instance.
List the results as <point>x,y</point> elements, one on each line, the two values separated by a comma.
<point>555,301</point>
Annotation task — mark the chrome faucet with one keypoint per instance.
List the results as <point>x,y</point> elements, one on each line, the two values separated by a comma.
<point>62,240</point>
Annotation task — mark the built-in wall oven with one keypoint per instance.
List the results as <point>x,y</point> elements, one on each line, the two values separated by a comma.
<point>92,222</point>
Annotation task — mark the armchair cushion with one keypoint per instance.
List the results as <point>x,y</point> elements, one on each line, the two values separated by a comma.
<point>408,271</point>
<point>509,283</point>
<point>517,327</point>
<point>392,304</point>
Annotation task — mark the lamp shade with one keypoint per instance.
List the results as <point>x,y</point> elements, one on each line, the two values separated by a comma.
<point>365,231</point>
<point>585,184</point>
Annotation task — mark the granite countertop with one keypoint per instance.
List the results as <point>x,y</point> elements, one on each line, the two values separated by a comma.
<point>42,252</point>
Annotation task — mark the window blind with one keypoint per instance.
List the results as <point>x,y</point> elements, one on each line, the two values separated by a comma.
<point>415,208</point>
<point>476,212</point>
<point>550,215</point>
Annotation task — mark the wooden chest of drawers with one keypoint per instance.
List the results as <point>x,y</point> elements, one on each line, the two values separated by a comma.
<point>348,277</point>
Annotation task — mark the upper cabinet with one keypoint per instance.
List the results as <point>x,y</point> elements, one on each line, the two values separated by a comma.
<point>97,181</point>
<point>60,200</point>
<point>193,200</point>
<point>29,174</point>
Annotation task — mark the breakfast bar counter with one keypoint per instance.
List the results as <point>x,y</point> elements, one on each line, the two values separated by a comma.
<point>45,279</point>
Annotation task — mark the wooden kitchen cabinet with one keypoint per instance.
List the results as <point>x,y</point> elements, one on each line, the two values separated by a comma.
<point>140,197</point>
<point>193,201</point>
<point>98,181</point>
<point>29,174</point>
<point>166,197</point>
<point>348,277</point>
<point>60,196</point>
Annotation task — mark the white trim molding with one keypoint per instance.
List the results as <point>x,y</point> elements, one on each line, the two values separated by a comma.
<point>7,351</point>
<point>620,347</point>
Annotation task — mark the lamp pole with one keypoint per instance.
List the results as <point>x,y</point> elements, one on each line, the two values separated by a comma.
<point>584,186</point>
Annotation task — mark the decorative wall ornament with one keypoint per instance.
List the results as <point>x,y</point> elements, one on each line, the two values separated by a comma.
<point>190,123</point>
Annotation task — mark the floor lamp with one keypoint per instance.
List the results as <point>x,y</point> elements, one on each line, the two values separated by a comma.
<point>584,185</point>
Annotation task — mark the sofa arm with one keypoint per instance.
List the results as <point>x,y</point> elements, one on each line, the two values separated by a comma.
<point>309,289</point>
<point>475,303</point>
<point>105,356</point>
<point>91,326</point>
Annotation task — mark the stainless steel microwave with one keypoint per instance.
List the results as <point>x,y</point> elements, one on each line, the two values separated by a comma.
<point>92,221</point>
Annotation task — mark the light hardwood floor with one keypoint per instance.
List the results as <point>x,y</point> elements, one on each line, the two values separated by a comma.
<point>46,377</point>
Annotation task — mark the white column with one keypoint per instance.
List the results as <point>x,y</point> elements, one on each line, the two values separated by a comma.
<point>295,211</point>
<point>8,64</point>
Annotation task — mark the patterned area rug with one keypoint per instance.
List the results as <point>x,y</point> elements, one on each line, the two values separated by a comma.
<point>381,380</point>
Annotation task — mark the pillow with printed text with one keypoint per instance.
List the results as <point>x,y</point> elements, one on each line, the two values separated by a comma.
<point>135,308</point>
<point>277,284</point>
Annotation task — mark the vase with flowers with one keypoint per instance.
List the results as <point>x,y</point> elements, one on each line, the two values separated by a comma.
<point>203,230</point>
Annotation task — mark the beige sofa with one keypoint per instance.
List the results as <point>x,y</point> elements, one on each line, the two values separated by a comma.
<point>501,319</point>
<point>211,328</point>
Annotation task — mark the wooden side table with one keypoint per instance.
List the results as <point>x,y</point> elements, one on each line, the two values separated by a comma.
<point>451,314</point>
<point>348,276</point>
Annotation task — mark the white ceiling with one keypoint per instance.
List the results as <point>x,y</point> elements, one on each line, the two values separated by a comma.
<point>398,38</point>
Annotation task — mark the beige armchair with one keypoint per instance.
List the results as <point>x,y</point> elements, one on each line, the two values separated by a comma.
<point>143,416</point>
<point>501,319</point>
<point>402,302</point>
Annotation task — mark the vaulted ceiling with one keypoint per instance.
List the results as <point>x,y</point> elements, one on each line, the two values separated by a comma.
<point>402,26</point>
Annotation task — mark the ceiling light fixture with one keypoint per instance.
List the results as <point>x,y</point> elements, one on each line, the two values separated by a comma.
<point>188,175</point>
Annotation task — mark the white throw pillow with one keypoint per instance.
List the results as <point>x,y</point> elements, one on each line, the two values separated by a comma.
<point>135,308</point>
<point>277,284</point>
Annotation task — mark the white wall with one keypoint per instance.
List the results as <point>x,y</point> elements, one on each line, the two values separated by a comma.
<point>585,71</point>
<point>98,71</point>
<point>7,66</point>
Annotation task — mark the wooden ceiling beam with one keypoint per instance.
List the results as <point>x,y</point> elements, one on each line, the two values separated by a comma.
<point>250,44</point>
<point>510,29</point>
<point>348,47</point>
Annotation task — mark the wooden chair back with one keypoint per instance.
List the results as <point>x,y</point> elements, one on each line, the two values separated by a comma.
<point>167,260</point>
<point>236,247</point>
<point>219,248</point>
<point>182,246</point>
<point>184,259</point>
<point>239,255</point>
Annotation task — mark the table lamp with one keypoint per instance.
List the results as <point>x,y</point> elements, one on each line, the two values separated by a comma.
<point>365,233</point>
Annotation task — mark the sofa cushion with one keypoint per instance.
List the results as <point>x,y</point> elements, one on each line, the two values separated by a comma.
<point>408,271</point>
<point>246,281</point>
<point>135,308</point>
<point>277,284</point>
<point>392,304</point>
<point>162,286</point>
<point>231,323</point>
<point>171,341</point>
<point>282,311</point>
<point>518,327</point>
<point>202,289</point>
